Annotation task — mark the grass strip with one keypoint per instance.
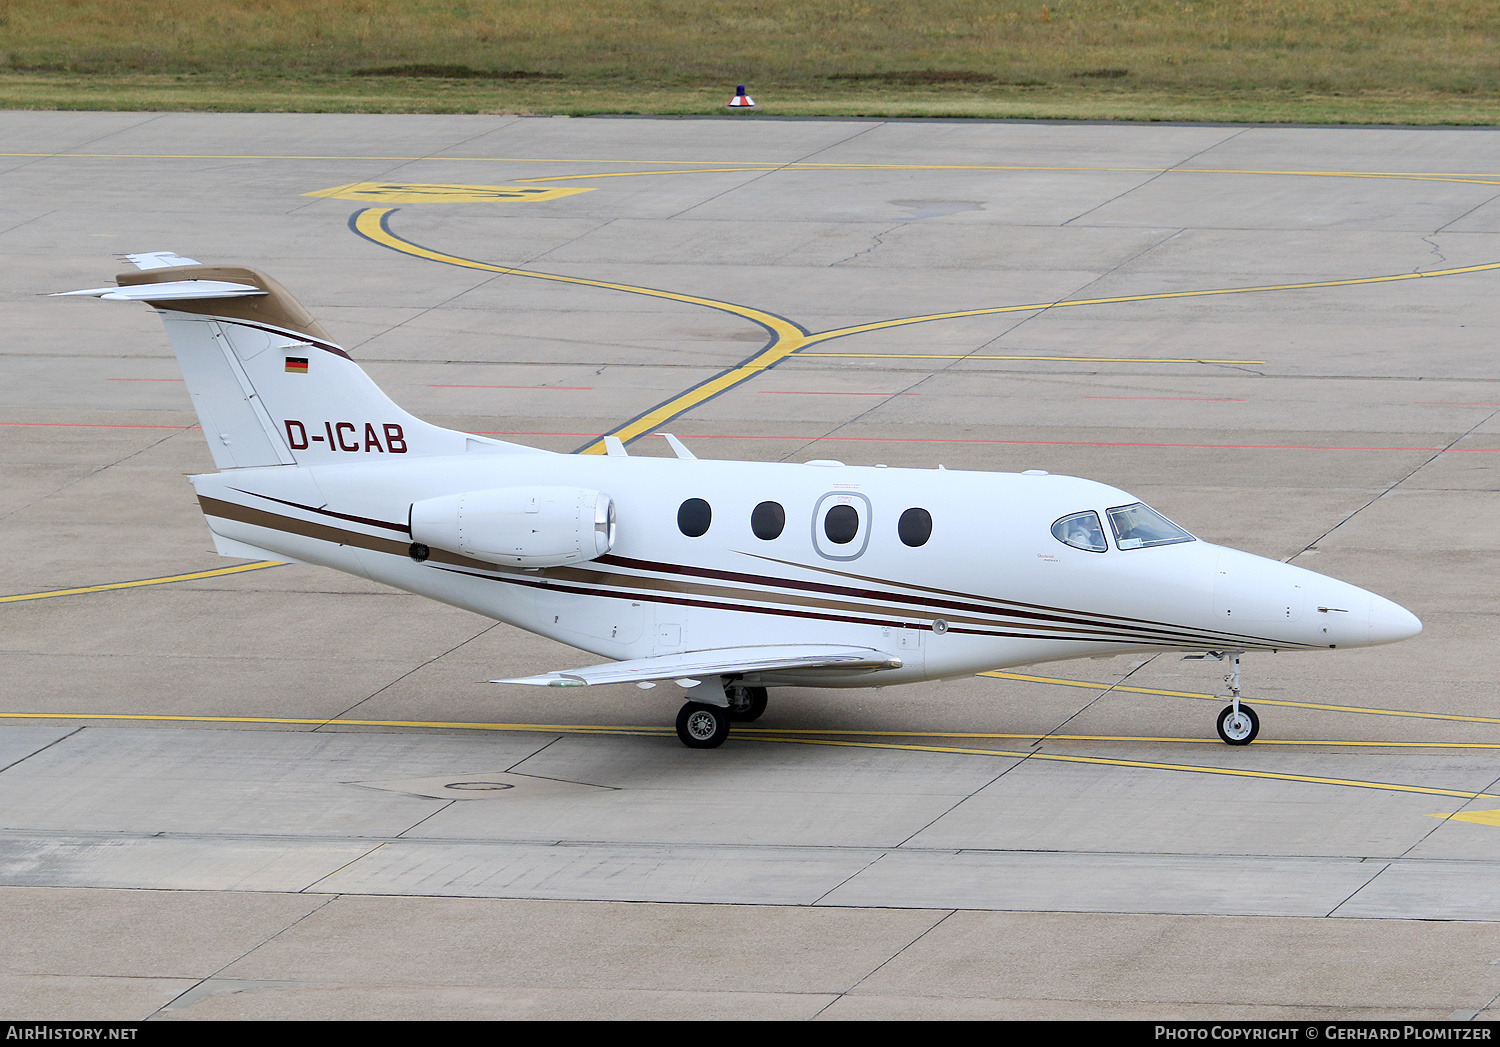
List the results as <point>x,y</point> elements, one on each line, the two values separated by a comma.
<point>351,94</point>
<point>1315,61</point>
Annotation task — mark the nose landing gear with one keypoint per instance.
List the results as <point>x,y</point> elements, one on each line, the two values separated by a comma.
<point>1238,724</point>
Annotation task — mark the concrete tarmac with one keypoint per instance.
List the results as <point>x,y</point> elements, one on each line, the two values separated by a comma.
<point>290,793</point>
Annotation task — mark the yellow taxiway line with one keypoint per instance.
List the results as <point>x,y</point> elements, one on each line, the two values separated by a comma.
<point>762,733</point>
<point>1233,772</point>
<point>298,721</point>
<point>788,338</point>
<point>769,735</point>
<point>882,325</point>
<point>1257,701</point>
<point>793,733</point>
<point>1063,359</point>
<point>259,565</point>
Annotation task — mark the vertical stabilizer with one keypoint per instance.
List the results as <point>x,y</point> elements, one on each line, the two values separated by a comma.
<point>269,385</point>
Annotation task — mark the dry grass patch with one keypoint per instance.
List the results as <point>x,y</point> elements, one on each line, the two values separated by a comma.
<point>980,56</point>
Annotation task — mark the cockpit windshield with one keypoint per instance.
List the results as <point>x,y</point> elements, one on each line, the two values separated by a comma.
<point>1081,531</point>
<point>1139,526</point>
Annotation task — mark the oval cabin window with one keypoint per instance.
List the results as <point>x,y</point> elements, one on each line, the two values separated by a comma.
<point>693,517</point>
<point>841,524</point>
<point>914,527</point>
<point>767,521</point>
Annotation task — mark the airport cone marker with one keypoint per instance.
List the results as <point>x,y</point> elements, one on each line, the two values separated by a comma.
<point>741,100</point>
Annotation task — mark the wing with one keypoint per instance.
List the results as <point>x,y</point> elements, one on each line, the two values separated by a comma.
<point>718,663</point>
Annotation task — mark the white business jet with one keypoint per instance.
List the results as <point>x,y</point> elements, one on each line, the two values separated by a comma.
<point>724,577</point>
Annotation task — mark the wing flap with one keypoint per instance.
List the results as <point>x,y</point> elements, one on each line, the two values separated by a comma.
<point>717,663</point>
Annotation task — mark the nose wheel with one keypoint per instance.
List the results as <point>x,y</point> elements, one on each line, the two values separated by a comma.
<point>1238,726</point>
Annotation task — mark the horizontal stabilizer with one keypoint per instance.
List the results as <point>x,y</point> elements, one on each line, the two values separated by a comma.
<point>159,260</point>
<point>720,662</point>
<point>179,291</point>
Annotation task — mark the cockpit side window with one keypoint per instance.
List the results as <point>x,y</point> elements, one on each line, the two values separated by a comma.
<point>1081,531</point>
<point>1139,526</point>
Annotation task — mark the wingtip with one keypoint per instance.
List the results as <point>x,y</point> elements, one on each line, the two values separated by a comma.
<point>159,260</point>
<point>93,292</point>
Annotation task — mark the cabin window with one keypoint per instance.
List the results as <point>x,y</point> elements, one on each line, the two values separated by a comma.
<point>1139,526</point>
<point>767,521</point>
<point>1081,531</point>
<point>841,525</point>
<point>914,527</point>
<point>693,517</point>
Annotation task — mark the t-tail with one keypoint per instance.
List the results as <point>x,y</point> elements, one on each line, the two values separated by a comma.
<point>269,384</point>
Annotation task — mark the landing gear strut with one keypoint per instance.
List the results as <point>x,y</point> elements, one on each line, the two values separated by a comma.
<point>745,703</point>
<point>1238,724</point>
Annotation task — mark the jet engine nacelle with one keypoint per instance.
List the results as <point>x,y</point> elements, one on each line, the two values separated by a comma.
<point>519,526</point>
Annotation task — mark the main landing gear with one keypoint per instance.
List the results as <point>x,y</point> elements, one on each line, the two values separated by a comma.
<point>701,725</point>
<point>1238,724</point>
<point>745,703</point>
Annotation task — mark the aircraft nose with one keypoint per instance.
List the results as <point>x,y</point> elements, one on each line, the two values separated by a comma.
<point>1389,621</point>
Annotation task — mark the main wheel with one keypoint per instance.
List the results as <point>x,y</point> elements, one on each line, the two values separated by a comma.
<point>745,703</point>
<point>702,726</point>
<point>1241,729</point>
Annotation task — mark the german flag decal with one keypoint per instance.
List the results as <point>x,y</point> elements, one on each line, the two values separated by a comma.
<point>296,365</point>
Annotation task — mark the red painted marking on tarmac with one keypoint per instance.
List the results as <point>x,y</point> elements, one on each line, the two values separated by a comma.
<point>1046,443</point>
<point>104,425</point>
<point>893,440</point>
<point>816,392</point>
<point>143,379</point>
<point>1204,399</point>
<point>573,387</point>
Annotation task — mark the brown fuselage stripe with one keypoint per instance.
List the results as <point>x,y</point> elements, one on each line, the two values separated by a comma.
<point>1004,606</point>
<point>1086,631</point>
<point>1069,619</point>
<point>740,596</point>
<point>291,525</point>
<point>400,528</point>
<point>761,609</point>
